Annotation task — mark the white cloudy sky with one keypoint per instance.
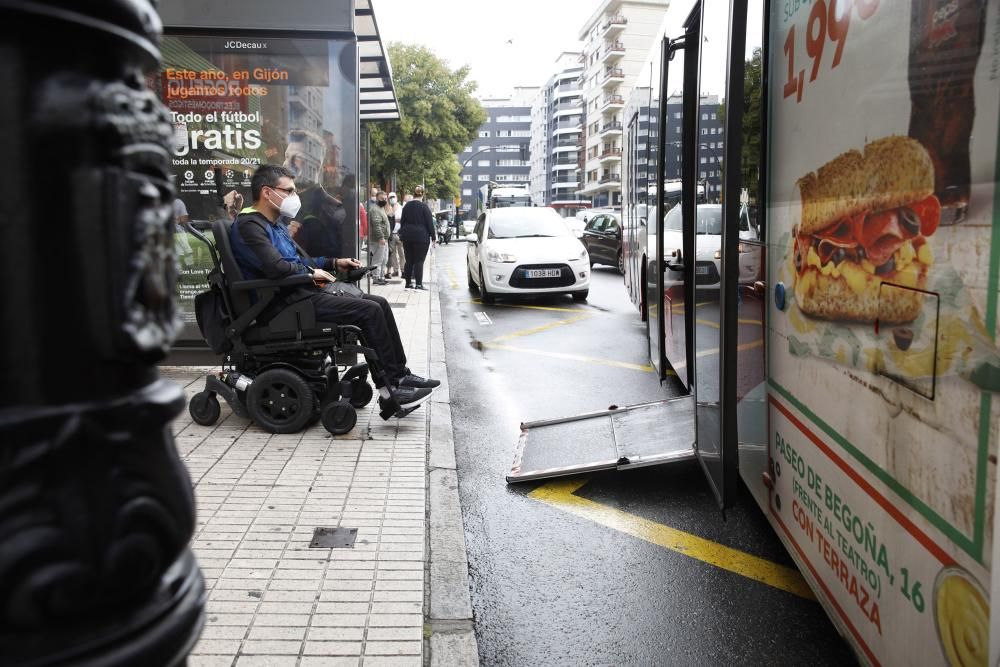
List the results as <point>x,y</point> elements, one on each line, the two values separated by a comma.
<point>476,33</point>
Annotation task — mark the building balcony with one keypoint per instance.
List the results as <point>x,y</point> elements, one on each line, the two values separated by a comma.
<point>611,156</point>
<point>613,128</point>
<point>613,51</point>
<point>611,179</point>
<point>613,77</point>
<point>613,103</point>
<point>613,25</point>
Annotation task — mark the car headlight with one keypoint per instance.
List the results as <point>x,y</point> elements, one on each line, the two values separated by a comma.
<point>582,255</point>
<point>494,256</point>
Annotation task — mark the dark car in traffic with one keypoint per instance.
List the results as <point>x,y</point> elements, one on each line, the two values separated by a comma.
<point>602,236</point>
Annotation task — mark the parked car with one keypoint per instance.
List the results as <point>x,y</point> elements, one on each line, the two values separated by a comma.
<point>602,237</point>
<point>526,251</point>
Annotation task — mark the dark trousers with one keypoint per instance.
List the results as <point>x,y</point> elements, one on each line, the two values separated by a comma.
<point>374,317</point>
<point>416,253</point>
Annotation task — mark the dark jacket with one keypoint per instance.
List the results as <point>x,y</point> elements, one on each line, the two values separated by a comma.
<point>264,249</point>
<point>417,223</point>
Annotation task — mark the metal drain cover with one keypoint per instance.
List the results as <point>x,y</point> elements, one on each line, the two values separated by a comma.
<point>333,538</point>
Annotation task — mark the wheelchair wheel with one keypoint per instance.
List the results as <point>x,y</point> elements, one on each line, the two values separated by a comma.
<point>339,417</point>
<point>204,408</point>
<point>361,393</point>
<point>280,401</point>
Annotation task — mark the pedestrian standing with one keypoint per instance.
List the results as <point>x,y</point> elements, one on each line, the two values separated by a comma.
<point>378,236</point>
<point>417,233</point>
<point>396,259</point>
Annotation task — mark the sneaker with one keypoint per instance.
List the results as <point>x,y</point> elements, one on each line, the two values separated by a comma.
<point>421,288</point>
<point>410,397</point>
<point>418,382</point>
<point>407,286</point>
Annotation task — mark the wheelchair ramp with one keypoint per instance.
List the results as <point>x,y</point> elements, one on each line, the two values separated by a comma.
<point>629,437</point>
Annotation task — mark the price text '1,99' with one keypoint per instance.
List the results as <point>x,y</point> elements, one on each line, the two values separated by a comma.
<point>827,19</point>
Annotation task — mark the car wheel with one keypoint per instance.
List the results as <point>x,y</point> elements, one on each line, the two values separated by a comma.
<point>621,262</point>
<point>483,292</point>
<point>472,283</point>
<point>581,296</point>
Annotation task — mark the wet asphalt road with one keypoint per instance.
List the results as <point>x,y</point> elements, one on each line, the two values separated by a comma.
<point>549,587</point>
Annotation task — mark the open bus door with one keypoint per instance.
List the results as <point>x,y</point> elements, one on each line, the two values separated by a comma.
<point>676,280</point>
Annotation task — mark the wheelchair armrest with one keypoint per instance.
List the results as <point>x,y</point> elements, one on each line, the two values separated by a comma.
<point>298,279</point>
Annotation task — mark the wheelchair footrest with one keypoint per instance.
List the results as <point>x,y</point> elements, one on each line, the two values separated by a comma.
<point>390,408</point>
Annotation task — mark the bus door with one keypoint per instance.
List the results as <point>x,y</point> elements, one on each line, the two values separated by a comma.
<point>711,229</point>
<point>673,243</point>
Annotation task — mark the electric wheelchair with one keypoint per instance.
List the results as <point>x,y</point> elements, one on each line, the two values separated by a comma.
<point>285,373</point>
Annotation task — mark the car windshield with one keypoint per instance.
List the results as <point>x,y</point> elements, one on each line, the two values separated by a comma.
<point>517,223</point>
<point>709,219</point>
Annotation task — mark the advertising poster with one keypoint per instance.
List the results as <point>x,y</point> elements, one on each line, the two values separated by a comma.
<point>884,245</point>
<point>240,102</point>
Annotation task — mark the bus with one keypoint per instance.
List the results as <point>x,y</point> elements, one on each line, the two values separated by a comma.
<point>492,195</point>
<point>819,282</point>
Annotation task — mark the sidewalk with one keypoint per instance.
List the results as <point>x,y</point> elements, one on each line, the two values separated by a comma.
<point>400,596</point>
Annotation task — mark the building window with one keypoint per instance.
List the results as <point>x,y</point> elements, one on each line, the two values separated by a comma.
<point>484,134</point>
<point>483,177</point>
<point>466,177</point>
<point>467,192</point>
<point>704,116</point>
<point>483,163</point>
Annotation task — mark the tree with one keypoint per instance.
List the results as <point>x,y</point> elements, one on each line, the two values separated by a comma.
<point>439,118</point>
<point>752,103</point>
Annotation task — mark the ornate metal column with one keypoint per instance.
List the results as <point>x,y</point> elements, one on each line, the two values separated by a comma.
<point>96,509</point>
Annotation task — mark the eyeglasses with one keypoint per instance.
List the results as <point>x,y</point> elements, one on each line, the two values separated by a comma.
<point>287,191</point>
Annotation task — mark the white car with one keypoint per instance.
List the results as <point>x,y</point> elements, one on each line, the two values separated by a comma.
<point>708,258</point>
<point>526,251</point>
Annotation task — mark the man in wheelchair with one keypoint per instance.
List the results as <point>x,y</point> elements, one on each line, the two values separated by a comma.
<point>264,249</point>
<point>287,319</point>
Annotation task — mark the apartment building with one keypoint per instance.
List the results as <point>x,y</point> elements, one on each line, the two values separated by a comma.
<point>556,132</point>
<point>501,151</point>
<point>711,143</point>
<point>616,42</point>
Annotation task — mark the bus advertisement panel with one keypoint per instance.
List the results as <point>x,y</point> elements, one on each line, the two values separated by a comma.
<point>884,247</point>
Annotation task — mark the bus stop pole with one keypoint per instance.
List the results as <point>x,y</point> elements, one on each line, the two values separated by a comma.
<point>96,508</point>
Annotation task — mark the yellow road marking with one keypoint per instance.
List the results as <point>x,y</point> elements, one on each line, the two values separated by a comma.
<point>739,348</point>
<point>574,357</point>
<point>543,327</point>
<point>560,494</point>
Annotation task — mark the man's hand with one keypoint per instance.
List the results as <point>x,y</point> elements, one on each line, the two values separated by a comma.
<point>346,264</point>
<point>320,276</point>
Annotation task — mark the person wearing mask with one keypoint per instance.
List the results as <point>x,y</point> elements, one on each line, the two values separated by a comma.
<point>263,249</point>
<point>396,259</point>
<point>378,236</point>
<point>417,232</point>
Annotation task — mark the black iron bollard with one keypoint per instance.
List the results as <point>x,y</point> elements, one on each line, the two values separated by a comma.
<point>96,509</point>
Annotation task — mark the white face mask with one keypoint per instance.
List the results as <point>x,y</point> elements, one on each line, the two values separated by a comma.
<point>290,205</point>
